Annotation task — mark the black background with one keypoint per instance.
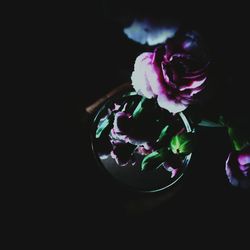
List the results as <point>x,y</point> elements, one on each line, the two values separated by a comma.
<point>93,57</point>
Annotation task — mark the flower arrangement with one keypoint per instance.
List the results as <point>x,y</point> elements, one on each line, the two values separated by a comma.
<point>150,123</point>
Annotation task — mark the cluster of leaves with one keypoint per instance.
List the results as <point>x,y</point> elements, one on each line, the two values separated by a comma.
<point>237,130</point>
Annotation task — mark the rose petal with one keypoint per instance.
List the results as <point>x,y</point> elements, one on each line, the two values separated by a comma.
<point>193,84</point>
<point>122,122</point>
<point>139,78</point>
<point>143,151</point>
<point>169,104</point>
<point>244,159</point>
<point>154,76</point>
<point>174,172</point>
<point>116,136</point>
<point>196,75</point>
<point>191,92</point>
<point>185,101</point>
<point>143,59</point>
<point>245,169</point>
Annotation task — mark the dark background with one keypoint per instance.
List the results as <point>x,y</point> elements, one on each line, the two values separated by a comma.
<point>94,57</point>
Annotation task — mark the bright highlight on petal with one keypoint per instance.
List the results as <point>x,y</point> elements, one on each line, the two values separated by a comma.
<point>194,84</point>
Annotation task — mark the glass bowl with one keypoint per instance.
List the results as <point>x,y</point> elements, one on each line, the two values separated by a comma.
<point>131,177</point>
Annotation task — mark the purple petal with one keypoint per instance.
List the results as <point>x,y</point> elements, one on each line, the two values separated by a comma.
<point>193,85</point>
<point>238,175</point>
<point>244,159</point>
<point>170,104</point>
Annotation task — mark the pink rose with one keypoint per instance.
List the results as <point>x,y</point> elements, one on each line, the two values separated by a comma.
<point>174,73</point>
<point>238,168</point>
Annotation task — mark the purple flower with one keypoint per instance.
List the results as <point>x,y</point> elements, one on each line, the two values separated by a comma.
<point>238,168</point>
<point>173,73</point>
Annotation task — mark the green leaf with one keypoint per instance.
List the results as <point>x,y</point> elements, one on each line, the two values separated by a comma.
<point>138,110</point>
<point>210,124</point>
<point>182,143</point>
<point>130,106</point>
<point>132,93</point>
<point>155,159</point>
<point>103,125</point>
<point>238,138</point>
<point>164,133</point>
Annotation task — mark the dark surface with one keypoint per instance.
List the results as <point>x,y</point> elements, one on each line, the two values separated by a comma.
<point>98,57</point>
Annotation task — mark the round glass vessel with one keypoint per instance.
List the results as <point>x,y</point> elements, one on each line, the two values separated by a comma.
<point>130,176</point>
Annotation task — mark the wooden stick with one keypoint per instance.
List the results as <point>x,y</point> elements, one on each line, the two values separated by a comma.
<point>92,108</point>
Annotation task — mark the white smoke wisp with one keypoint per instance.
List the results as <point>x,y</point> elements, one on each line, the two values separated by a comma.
<point>146,32</point>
